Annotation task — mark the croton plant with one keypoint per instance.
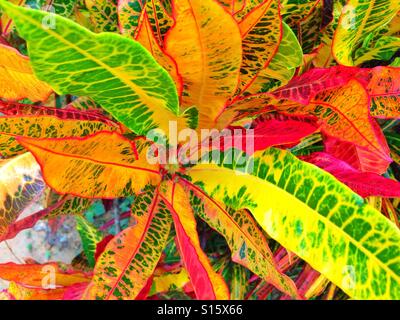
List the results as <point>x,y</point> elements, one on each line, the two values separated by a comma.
<point>245,149</point>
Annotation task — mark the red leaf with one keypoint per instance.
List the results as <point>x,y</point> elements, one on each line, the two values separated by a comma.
<point>304,87</point>
<point>268,131</point>
<point>102,245</point>
<point>364,183</point>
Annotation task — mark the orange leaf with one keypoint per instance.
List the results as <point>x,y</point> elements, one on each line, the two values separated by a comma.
<point>206,44</point>
<point>104,165</point>
<point>146,38</point>
<point>34,274</point>
<point>17,80</point>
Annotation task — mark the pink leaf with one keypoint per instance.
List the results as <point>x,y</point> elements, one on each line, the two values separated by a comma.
<point>364,183</point>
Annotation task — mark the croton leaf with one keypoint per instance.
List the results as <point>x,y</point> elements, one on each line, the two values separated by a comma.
<point>313,215</point>
<point>164,281</point>
<point>345,115</point>
<point>304,87</point>
<point>70,205</point>
<point>383,87</point>
<point>103,15</point>
<point>232,6</point>
<point>146,38</point>
<point>360,19</point>
<point>21,292</point>
<point>17,80</point>
<point>246,7</point>
<point>41,122</point>
<point>105,165</point>
<point>90,236</point>
<point>21,184</point>
<point>106,67</point>
<point>129,260</point>
<point>129,13</point>
<point>269,130</point>
<point>275,130</point>
<point>205,42</point>
<point>362,159</point>
<point>261,32</point>
<point>247,243</point>
<point>364,183</point>
<point>207,284</point>
<point>282,67</point>
<point>34,274</point>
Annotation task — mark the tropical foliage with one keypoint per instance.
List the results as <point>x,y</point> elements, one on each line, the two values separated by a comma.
<point>303,204</point>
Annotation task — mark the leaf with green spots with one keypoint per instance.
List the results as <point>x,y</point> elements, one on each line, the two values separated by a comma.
<point>313,215</point>
<point>359,22</point>
<point>129,260</point>
<point>103,14</point>
<point>282,67</point>
<point>116,72</point>
<point>247,243</point>
<point>90,236</point>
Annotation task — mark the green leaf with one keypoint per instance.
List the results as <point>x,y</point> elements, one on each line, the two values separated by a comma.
<point>116,72</point>
<point>90,236</point>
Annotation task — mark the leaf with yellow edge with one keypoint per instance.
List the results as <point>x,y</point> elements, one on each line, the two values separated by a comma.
<point>34,274</point>
<point>21,184</point>
<point>205,42</point>
<point>313,215</point>
<point>105,165</point>
<point>261,32</point>
<point>247,243</point>
<point>17,80</point>
<point>42,122</point>
<point>360,19</point>
<point>146,38</point>
<point>207,284</point>
<point>129,259</point>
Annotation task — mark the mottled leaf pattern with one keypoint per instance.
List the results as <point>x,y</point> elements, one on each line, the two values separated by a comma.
<point>131,257</point>
<point>41,122</point>
<point>205,42</point>
<point>261,32</point>
<point>247,243</point>
<point>282,67</point>
<point>346,240</point>
<point>345,115</point>
<point>118,73</point>
<point>360,19</point>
